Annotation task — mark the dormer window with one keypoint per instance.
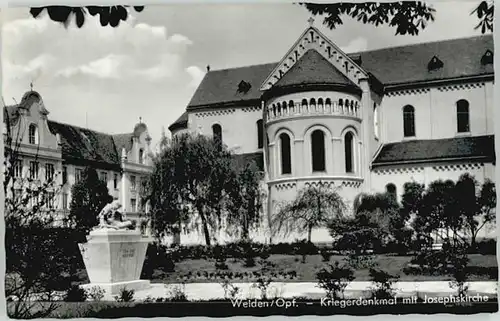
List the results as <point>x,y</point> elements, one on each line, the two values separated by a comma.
<point>141,156</point>
<point>435,64</point>
<point>487,58</point>
<point>244,87</point>
<point>33,134</point>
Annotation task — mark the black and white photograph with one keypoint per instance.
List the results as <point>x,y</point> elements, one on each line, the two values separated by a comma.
<point>249,159</point>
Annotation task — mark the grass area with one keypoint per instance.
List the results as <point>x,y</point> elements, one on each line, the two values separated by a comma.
<point>187,270</point>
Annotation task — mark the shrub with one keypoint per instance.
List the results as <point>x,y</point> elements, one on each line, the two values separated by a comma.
<point>157,258</point>
<point>125,295</point>
<point>230,290</point>
<point>262,284</point>
<point>383,284</point>
<point>177,294</point>
<point>304,248</point>
<point>96,293</point>
<point>326,255</point>
<point>335,279</point>
<point>281,248</point>
<point>265,253</point>
<point>75,294</point>
<point>249,261</point>
<point>219,254</point>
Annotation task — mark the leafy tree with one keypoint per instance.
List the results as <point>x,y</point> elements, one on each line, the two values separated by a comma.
<point>244,210</point>
<point>438,209</point>
<point>377,219</point>
<point>314,207</point>
<point>192,176</point>
<point>408,17</point>
<point>454,207</point>
<point>477,209</point>
<point>357,233</point>
<point>108,15</point>
<point>89,196</point>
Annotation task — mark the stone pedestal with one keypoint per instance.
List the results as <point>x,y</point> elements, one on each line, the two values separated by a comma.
<point>114,260</point>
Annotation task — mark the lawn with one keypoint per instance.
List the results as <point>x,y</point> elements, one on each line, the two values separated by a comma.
<point>193,270</point>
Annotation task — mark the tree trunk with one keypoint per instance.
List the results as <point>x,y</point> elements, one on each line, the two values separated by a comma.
<point>473,237</point>
<point>309,232</point>
<point>205,226</point>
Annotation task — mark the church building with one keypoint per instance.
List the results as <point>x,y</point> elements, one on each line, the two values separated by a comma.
<point>355,121</point>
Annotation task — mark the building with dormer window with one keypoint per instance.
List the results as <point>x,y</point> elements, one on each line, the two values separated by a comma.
<point>53,150</point>
<point>360,122</point>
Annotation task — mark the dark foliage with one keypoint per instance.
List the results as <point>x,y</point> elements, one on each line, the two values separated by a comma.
<point>108,15</point>
<point>49,254</point>
<point>157,259</point>
<point>89,196</point>
<point>335,279</point>
<point>487,247</point>
<point>125,295</point>
<point>75,294</point>
<point>383,284</point>
<point>407,17</point>
<point>326,254</point>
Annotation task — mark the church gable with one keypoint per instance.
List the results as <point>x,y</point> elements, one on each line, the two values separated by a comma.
<point>312,38</point>
<point>313,68</point>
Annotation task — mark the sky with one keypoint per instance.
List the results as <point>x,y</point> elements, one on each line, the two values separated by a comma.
<point>149,67</point>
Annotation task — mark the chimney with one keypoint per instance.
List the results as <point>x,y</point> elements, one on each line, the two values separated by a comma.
<point>208,68</point>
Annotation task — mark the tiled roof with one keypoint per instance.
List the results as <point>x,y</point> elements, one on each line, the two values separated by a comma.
<point>221,86</point>
<point>408,64</point>
<point>311,69</point>
<point>397,65</point>
<point>414,151</point>
<point>123,141</point>
<point>81,144</point>
<point>180,122</point>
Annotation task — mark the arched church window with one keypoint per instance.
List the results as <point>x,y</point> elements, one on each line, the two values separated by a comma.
<point>284,108</point>
<point>409,121</point>
<point>463,120</point>
<point>286,154</point>
<point>33,134</point>
<point>260,134</point>
<point>318,150</point>
<point>291,105</point>
<point>391,190</point>
<point>349,152</point>
<point>328,103</point>
<point>217,133</point>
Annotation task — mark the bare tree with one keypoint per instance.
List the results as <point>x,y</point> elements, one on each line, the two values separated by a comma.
<point>31,255</point>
